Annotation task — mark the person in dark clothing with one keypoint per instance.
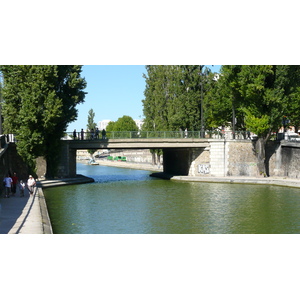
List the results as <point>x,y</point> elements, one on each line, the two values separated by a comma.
<point>15,181</point>
<point>74,134</point>
<point>103,134</point>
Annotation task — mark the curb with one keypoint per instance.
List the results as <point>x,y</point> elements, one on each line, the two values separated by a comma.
<point>47,228</point>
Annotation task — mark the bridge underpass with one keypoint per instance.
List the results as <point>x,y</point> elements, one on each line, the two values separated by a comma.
<point>178,154</point>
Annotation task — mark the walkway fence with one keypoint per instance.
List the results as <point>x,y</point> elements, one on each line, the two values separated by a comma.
<point>216,134</point>
<point>229,135</point>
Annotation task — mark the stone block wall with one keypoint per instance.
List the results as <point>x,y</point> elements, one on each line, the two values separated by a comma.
<point>224,158</point>
<point>241,160</point>
<point>218,157</point>
<point>290,160</point>
<point>200,162</point>
<point>67,165</point>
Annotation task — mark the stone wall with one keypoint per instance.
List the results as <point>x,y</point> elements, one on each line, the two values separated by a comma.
<point>224,158</point>
<point>241,160</point>
<point>220,158</point>
<point>290,154</point>
<point>67,165</point>
<point>200,162</point>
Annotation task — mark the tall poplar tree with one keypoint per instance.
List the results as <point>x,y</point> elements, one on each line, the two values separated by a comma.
<point>91,126</point>
<point>173,96</point>
<point>38,103</point>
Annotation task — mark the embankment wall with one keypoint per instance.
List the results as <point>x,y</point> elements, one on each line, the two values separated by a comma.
<point>237,158</point>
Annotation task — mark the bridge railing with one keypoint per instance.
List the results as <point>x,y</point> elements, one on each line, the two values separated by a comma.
<point>214,134</point>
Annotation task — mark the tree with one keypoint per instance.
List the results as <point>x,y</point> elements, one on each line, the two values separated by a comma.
<point>261,95</point>
<point>91,127</point>
<point>39,102</point>
<point>110,126</point>
<point>173,97</point>
<point>125,123</point>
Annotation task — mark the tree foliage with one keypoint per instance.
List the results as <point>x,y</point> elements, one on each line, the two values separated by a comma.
<point>39,102</point>
<point>261,95</point>
<point>125,123</point>
<point>245,97</point>
<point>173,97</point>
<point>91,127</point>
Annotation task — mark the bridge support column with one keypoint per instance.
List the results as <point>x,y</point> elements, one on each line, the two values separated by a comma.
<point>67,164</point>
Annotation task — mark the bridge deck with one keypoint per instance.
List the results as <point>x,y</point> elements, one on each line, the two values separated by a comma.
<point>138,143</point>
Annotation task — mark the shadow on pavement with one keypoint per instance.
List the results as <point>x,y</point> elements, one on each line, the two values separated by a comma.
<point>10,210</point>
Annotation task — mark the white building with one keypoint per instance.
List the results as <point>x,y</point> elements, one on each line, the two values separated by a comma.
<point>103,124</point>
<point>139,123</point>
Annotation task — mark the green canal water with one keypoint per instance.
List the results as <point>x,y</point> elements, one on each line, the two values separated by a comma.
<point>125,201</point>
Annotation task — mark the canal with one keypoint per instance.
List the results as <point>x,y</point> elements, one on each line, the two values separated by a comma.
<point>127,201</point>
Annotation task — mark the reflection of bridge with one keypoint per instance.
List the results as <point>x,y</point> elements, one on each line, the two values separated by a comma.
<point>183,154</point>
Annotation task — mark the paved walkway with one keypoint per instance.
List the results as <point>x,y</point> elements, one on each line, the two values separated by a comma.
<point>24,215</point>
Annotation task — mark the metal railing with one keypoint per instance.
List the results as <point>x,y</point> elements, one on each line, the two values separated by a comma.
<point>215,134</point>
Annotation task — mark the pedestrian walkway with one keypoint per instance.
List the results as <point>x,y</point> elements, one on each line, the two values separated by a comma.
<point>24,215</point>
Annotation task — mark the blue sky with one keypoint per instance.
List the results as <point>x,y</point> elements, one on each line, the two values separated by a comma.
<point>113,91</point>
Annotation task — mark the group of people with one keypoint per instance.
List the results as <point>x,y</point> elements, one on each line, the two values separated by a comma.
<point>11,183</point>
<point>93,134</point>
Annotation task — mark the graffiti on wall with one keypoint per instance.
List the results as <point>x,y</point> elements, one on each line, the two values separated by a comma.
<point>203,169</point>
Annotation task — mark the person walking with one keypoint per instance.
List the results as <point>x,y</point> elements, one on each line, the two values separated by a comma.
<point>7,183</point>
<point>22,188</point>
<point>15,180</point>
<point>31,184</point>
<point>97,133</point>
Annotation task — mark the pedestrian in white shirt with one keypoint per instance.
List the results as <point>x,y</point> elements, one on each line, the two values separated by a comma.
<point>7,183</point>
<point>31,184</point>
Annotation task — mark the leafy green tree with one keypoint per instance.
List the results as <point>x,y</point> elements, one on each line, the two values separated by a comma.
<point>110,126</point>
<point>173,97</point>
<point>39,102</point>
<point>125,123</point>
<point>223,101</point>
<point>91,127</point>
<point>261,95</point>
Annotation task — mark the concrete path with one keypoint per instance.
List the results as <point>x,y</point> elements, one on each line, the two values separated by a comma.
<point>24,215</point>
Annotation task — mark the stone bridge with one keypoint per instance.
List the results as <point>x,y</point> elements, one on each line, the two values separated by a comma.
<point>181,156</point>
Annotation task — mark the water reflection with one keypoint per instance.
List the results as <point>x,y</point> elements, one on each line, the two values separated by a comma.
<point>129,201</point>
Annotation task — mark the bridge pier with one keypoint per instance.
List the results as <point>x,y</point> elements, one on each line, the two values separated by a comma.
<point>67,164</point>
